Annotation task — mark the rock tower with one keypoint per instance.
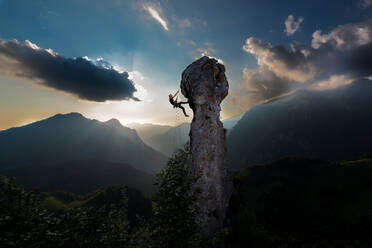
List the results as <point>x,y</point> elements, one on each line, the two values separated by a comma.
<point>205,85</point>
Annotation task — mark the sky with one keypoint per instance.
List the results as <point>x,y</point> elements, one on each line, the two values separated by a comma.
<point>121,58</point>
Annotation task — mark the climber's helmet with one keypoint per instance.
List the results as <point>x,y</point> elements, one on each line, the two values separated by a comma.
<point>170,95</point>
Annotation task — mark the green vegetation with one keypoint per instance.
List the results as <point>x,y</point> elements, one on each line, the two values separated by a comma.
<point>174,206</point>
<point>297,202</point>
<point>54,204</point>
<point>25,222</point>
<point>110,217</point>
<point>292,202</point>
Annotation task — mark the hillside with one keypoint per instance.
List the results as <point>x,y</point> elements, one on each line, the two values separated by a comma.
<point>138,205</point>
<point>296,202</point>
<point>332,125</point>
<point>81,177</point>
<point>230,123</point>
<point>292,202</point>
<point>69,137</point>
<point>174,137</point>
<point>147,131</point>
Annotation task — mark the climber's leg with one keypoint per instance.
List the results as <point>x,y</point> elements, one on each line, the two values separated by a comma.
<point>183,109</point>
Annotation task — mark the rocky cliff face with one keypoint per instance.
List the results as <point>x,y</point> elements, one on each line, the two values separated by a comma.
<point>205,85</point>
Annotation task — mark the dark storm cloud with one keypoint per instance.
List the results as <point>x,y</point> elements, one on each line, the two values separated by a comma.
<point>88,80</point>
<point>334,59</point>
<point>265,84</point>
<point>361,61</point>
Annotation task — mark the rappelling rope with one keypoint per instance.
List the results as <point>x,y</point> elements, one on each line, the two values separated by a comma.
<point>177,134</point>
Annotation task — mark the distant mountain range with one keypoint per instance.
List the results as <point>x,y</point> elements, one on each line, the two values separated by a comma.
<point>333,124</point>
<point>167,139</point>
<point>171,140</point>
<point>70,152</point>
<point>72,137</point>
<point>147,131</point>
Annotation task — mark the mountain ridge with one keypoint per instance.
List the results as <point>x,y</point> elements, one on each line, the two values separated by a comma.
<point>170,138</point>
<point>67,137</point>
<point>328,125</point>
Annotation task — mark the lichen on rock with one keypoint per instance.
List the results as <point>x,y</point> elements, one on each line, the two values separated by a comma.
<point>205,85</point>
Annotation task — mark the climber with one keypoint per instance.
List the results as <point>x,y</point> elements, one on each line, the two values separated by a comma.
<point>177,104</point>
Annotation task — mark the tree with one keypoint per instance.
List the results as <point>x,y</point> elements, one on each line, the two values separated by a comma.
<point>174,224</point>
<point>24,222</point>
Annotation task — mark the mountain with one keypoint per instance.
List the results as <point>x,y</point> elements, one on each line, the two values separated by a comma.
<point>231,122</point>
<point>81,177</point>
<point>72,137</point>
<point>332,125</point>
<point>147,131</point>
<point>297,202</point>
<point>175,137</point>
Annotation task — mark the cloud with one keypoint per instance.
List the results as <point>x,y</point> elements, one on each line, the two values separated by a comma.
<point>284,63</point>
<point>264,84</point>
<point>363,4</point>
<point>334,59</point>
<point>206,51</point>
<point>344,37</point>
<point>82,77</point>
<point>155,9</point>
<point>333,82</point>
<point>189,43</point>
<point>209,51</point>
<point>184,23</point>
<point>259,85</point>
<point>156,13</point>
<point>291,25</point>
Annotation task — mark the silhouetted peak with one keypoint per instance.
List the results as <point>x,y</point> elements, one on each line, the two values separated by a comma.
<point>72,115</point>
<point>114,122</point>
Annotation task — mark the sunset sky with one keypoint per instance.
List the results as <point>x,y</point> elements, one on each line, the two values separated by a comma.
<point>121,58</point>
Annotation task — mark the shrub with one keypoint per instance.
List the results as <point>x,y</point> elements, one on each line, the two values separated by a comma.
<point>24,222</point>
<point>174,224</point>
